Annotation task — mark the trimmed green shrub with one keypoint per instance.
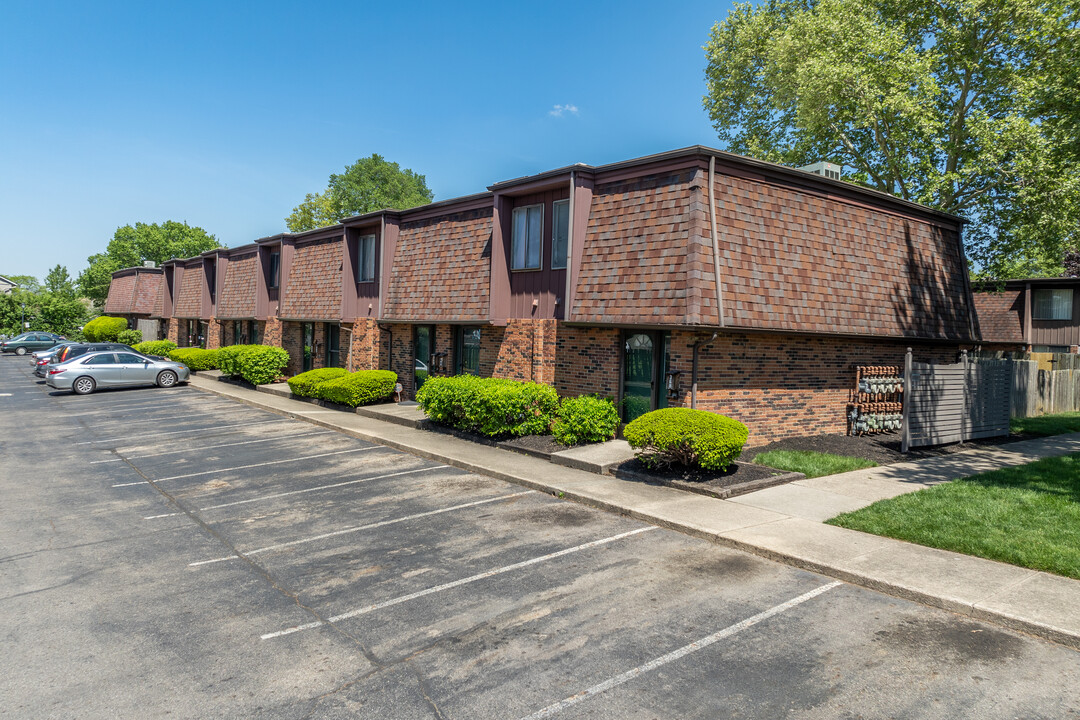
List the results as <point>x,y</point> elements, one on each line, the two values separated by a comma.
<point>585,419</point>
<point>489,406</point>
<point>155,347</point>
<point>307,383</point>
<point>195,358</point>
<point>129,337</point>
<point>359,388</point>
<point>258,364</point>
<point>104,328</point>
<point>694,438</point>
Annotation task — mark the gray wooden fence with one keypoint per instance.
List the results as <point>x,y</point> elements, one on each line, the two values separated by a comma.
<point>1042,382</point>
<point>953,403</point>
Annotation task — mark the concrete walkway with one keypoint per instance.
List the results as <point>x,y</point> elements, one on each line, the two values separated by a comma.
<point>781,523</point>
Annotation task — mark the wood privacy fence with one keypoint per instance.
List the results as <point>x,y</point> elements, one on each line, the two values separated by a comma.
<point>953,403</point>
<point>1042,382</point>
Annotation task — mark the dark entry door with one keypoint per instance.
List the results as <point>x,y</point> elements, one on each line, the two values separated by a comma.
<point>639,375</point>
<point>423,344</point>
<point>307,335</point>
<point>333,345</point>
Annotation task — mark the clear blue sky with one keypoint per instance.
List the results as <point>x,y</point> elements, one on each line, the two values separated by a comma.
<point>225,114</point>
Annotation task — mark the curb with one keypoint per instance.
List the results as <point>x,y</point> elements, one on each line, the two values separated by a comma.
<point>1007,620</point>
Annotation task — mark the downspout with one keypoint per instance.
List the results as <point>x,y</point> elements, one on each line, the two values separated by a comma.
<point>693,368</point>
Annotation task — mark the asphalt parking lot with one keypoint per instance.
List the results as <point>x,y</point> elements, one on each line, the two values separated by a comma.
<point>168,553</point>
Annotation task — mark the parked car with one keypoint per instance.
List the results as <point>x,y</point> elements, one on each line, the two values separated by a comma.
<point>43,357</point>
<point>30,341</point>
<point>74,350</point>
<point>90,371</point>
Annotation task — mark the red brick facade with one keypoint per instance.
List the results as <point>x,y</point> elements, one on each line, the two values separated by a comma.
<point>816,276</point>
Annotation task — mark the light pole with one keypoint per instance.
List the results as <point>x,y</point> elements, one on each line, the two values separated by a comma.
<point>23,321</point>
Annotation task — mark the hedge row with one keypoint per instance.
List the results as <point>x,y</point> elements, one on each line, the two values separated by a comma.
<point>196,358</point>
<point>161,348</point>
<point>258,364</point>
<point>344,388</point>
<point>489,406</point>
<point>104,329</point>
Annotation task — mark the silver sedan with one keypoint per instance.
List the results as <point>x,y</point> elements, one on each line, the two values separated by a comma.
<point>91,371</point>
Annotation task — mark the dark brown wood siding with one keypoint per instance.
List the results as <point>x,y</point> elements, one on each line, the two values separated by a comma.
<point>1056,332</point>
<point>544,285</point>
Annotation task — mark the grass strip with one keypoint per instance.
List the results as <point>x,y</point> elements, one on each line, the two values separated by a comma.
<point>1027,515</point>
<point>1056,424</point>
<point>810,463</point>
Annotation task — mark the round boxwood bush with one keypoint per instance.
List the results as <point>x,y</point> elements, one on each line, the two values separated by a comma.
<point>161,348</point>
<point>129,337</point>
<point>489,406</point>
<point>104,328</point>
<point>258,364</point>
<point>307,383</point>
<point>694,438</point>
<point>195,358</point>
<point>585,419</point>
<point>358,388</point>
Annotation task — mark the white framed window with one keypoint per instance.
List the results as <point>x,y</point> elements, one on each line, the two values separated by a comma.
<point>560,233</point>
<point>527,238</point>
<point>365,259</point>
<point>1052,304</point>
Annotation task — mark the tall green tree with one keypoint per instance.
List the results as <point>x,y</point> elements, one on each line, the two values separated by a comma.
<point>367,185</point>
<point>59,282</point>
<point>25,282</point>
<point>132,245</point>
<point>968,106</point>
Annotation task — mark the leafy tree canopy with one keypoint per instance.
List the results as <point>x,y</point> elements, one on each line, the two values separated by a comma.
<point>53,308</point>
<point>367,185</point>
<point>26,282</point>
<point>969,106</point>
<point>131,246</point>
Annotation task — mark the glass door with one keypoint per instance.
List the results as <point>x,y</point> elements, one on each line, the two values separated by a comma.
<point>307,334</point>
<point>639,375</point>
<point>423,345</point>
<point>333,345</point>
<point>468,351</point>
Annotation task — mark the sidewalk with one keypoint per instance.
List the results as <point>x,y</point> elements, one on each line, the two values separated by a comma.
<point>781,523</point>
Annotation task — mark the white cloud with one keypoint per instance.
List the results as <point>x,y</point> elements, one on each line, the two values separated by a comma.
<point>560,110</point>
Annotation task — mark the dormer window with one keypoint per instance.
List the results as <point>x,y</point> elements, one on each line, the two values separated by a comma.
<point>275,269</point>
<point>527,237</point>
<point>365,259</point>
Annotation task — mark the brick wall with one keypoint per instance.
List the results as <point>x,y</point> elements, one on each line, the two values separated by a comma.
<point>313,289</point>
<point>170,329</point>
<point>362,344</point>
<point>525,350</point>
<point>291,340</point>
<point>587,361</point>
<point>213,334</point>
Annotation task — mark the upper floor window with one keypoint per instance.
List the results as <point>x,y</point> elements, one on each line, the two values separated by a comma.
<point>560,234</point>
<point>275,268</point>
<point>1055,304</point>
<point>527,237</point>
<point>365,259</point>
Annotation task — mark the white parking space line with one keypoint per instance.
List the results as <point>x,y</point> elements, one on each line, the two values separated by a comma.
<point>137,438</point>
<point>680,653</point>
<point>455,583</point>
<point>320,487</point>
<point>358,528</point>
<point>211,447</point>
<point>272,462</point>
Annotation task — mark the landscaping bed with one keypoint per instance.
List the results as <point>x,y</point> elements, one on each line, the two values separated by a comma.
<point>738,479</point>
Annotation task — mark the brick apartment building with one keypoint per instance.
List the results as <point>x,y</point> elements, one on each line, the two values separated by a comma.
<point>136,294</point>
<point>1032,315</point>
<point>690,278</point>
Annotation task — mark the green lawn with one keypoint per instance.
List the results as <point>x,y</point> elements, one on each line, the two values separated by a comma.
<point>1057,424</point>
<point>810,463</point>
<point>1027,515</point>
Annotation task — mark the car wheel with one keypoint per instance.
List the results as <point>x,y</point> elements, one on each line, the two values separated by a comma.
<point>20,351</point>
<point>166,379</point>
<point>83,386</point>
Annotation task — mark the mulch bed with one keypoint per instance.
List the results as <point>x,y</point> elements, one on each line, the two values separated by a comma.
<point>882,448</point>
<point>740,478</point>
